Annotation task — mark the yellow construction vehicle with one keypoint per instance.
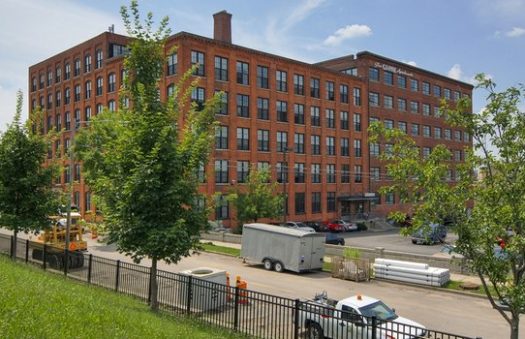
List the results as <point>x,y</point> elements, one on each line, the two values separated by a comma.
<point>54,239</point>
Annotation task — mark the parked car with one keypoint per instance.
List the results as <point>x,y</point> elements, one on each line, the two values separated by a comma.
<point>334,239</point>
<point>341,226</point>
<point>430,234</point>
<point>316,225</point>
<point>298,226</point>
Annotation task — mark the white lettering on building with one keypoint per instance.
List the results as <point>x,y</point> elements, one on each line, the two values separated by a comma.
<point>393,69</point>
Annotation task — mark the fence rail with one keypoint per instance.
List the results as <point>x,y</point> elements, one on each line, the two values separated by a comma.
<point>249,312</point>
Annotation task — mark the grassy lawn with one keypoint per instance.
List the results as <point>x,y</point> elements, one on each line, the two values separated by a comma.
<point>35,304</point>
<point>209,247</point>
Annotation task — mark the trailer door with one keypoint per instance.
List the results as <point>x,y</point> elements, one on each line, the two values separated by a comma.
<point>305,261</point>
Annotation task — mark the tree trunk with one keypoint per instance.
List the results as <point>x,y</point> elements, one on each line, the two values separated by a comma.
<point>13,245</point>
<point>515,327</point>
<point>153,286</point>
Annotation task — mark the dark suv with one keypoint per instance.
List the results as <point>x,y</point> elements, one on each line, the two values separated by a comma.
<point>430,234</point>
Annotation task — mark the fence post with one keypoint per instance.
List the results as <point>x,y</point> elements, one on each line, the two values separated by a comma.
<point>374,327</point>
<point>149,286</point>
<point>12,247</point>
<point>189,294</point>
<point>66,261</point>
<point>236,312</point>
<point>117,279</point>
<point>89,268</point>
<point>27,250</point>
<point>296,319</point>
<point>44,256</point>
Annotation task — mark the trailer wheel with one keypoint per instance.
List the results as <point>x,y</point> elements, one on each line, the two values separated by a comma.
<point>314,331</point>
<point>278,267</point>
<point>268,264</point>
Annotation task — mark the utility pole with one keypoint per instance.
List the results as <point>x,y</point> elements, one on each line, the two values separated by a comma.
<point>71,177</point>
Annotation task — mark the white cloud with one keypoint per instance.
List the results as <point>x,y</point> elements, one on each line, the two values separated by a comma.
<point>455,72</point>
<point>301,12</point>
<point>348,32</point>
<point>515,32</point>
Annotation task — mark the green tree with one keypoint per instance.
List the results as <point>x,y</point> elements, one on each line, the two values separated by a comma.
<point>487,213</point>
<point>257,198</point>
<point>141,162</point>
<point>26,191</point>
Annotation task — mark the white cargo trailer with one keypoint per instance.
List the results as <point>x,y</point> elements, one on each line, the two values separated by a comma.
<point>282,248</point>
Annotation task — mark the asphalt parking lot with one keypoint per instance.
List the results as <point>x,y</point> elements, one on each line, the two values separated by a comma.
<point>392,240</point>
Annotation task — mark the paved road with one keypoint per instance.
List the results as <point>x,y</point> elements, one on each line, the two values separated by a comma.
<point>453,313</point>
<point>393,241</point>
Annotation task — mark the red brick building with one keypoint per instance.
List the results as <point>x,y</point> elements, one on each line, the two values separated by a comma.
<point>306,122</point>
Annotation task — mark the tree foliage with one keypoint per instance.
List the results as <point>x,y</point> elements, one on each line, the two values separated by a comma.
<point>487,213</point>
<point>141,162</point>
<point>27,198</point>
<point>257,198</point>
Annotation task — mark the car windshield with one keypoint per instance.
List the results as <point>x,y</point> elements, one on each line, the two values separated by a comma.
<point>379,310</point>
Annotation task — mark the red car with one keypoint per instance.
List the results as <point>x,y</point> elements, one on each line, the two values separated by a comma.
<point>334,226</point>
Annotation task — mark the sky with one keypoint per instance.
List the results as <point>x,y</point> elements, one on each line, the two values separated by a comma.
<point>455,38</point>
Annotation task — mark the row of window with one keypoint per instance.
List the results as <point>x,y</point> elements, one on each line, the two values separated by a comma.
<point>282,78</point>
<point>330,174</point>
<point>426,130</point>
<point>243,142</point>
<point>375,150</point>
<point>77,93</point>
<point>374,74</point>
<point>402,105</point>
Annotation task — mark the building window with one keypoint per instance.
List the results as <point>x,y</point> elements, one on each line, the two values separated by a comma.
<point>221,137</point>
<point>170,90</point>
<point>282,141</point>
<point>221,208</point>
<point>112,81</point>
<point>315,116</point>
<point>243,139</point>
<point>172,64</point>
<point>357,148</point>
<point>197,96</point>
<point>437,112</point>
<point>87,113</point>
<point>330,202</point>
<point>446,93</point>
<point>298,113</point>
<point>351,71</point>
<point>314,88</point>
<point>466,137</point>
<point>330,173</point>
<point>426,110</point>
<point>100,85</point>
<point>426,131</point>
<point>58,74</point>
<point>330,145</point>
<point>389,124</point>
<point>282,172</point>
<point>457,155</point>
<point>99,57</point>
<point>243,105</point>
<point>33,84</point>
<point>402,126</point>
<point>221,68</point>
<point>299,143</point>
<point>345,174</point>
<point>87,63</point>
<point>437,91</point>
<point>299,203</point>
<point>343,93</point>
<point>87,90</point>
<point>415,129</point>
<point>457,135</point>
<point>357,122</point>
<point>414,85</point>
<point>401,104</point>
<point>375,173</point>
<point>49,101</point>
<point>87,201</point>
<point>388,78</point>
<point>223,106</point>
<point>263,140</point>
<point>330,118</point>
<point>425,88</point>
<point>448,134</point>
<point>77,93</point>
<point>100,108</point>
<point>281,81</point>
<point>282,110</point>
<point>67,96</point>
<point>262,77</point>
<point>426,152</point>
<point>58,149</point>
<point>112,106</point>
<point>437,133</point>
<point>315,141</point>
<point>243,169</point>
<point>330,91</point>
<point>299,173</point>
<point>197,58</point>
<point>67,117</point>
<point>49,78</point>
<point>243,73</point>
<point>373,99</point>
<point>316,173</point>
<point>414,106</point>
<point>58,98</point>
<point>374,149</point>
<point>221,171</point>
<point>373,74</point>
<point>388,101</point>
<point>344,120</point>
<point>316,202</point>
<point>358,171</point>
<point>389,198</point>
<point>401,81</point>
<point>201,174</point>
<point>457,95</point>
<point>76,175</point>
<point>67,71</point>
<point>357,96</point>
<point>263,108</point>
<point>76,69</point>
<point>298,84</point>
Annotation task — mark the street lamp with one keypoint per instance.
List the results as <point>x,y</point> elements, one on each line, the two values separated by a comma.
<point>71,178</point>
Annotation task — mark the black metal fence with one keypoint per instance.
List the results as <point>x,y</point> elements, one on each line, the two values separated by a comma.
<point>249,312</point>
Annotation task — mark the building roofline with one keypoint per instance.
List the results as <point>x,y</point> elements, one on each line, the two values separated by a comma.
<point>414,68</point>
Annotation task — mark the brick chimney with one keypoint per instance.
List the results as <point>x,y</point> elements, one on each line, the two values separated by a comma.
<point>222,26</point>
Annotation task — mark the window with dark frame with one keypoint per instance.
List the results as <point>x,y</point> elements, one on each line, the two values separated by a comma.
<point>197,58</point>
<point>263,108</point>
<point>330,90</point>
<point>243,73</point>
<point>263,140</point>
<point>243,105</point>
<point>316,202</point>
<point>282,110</point>
<point>281,81</point>
<point>299,143</point>
<point>314,88</point>
<point>282,141</point>
<point>221,68</point>
<point>345,174</point>
<point>345,147</point>
<point>316,173</point>
<point>221,171</point>
<point>221,137</point>
<point>171,67</point>
<point>243,170</point>
<point>262,77</point>
<point>343,93</point>
<point>299,203</point>
<point>315,141</point>
<point>299,113</point>
<point>299,173</point>
<point>330,174</point>
<point>298,84</point>
<point>243,139</point>
<point>344,123</point>
<point>315,116</point>
<point>330,202</point>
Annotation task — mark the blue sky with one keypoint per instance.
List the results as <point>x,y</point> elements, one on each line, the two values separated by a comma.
<point>458,38</point>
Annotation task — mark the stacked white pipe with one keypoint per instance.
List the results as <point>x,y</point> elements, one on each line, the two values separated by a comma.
<point>411,272</point>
